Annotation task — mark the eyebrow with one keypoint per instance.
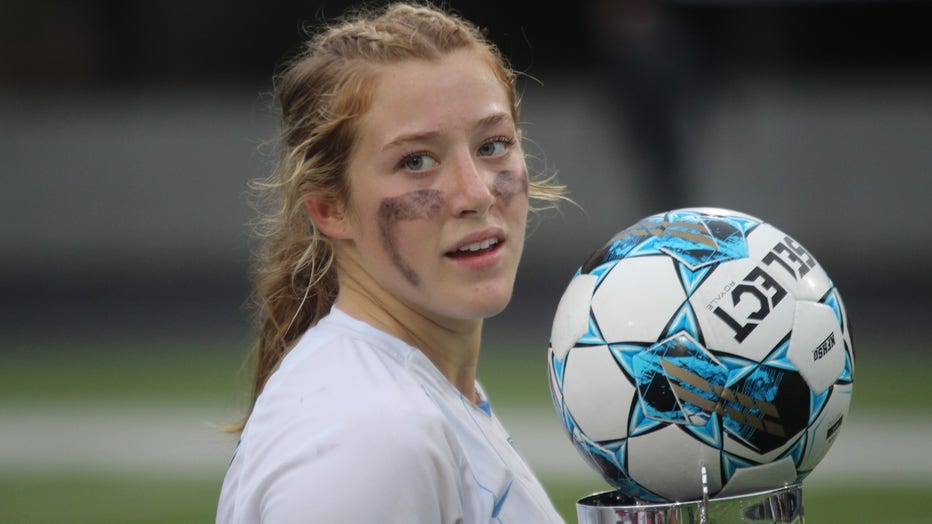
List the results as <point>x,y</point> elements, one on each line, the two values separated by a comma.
<point>493,119</point>
<point>485,122</point>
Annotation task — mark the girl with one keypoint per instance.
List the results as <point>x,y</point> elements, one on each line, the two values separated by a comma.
<point>401,197</point>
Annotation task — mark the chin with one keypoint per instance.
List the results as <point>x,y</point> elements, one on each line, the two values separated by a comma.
<point>488,306</point>
<point>474,302</point>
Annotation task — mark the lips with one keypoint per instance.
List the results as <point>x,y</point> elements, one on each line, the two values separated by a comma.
<point>477,247</point>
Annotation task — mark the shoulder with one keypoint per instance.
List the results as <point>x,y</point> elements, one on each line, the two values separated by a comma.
<point>346,401</point>
<point>343,423</point>
<point>333,369</point>
<point>341,389</point>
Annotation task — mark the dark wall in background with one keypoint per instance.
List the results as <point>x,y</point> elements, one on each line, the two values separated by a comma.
<point>129,131</point>
<point>114,43</point>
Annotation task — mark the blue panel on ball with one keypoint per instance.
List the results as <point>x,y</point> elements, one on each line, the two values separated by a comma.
<point>691,278</point>
<point>710,433</point>
<point>639,423</point>
<point>593,335</point>
<point>798,450</point>
<point>766,408</point>
<point>732,463</point>
<point>694,239</point>
<point>746,405</point>
<point>847,374</point>
<point>624,354</point>
<point>779,358</point>
<point>558,366</point>
<point>678,382</point>
<point>831,300</point>
<point>684,321</point>
<point>816,403</point>
<point>611,459</point>
<point>601,271</point>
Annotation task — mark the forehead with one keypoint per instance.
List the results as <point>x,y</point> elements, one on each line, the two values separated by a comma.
<point>415,95</point>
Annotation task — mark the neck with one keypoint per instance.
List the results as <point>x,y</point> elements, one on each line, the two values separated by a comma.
<point>452,345</point>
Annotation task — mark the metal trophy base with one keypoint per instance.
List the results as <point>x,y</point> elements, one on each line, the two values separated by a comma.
<point>782,505</point>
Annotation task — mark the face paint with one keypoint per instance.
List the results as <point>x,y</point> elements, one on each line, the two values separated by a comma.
<point>507,185</point>
<point>424,204</point>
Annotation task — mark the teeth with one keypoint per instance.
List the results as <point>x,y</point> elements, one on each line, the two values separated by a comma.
<point>485,244</point>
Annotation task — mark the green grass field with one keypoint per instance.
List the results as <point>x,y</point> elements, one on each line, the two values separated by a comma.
<point>180,374</point>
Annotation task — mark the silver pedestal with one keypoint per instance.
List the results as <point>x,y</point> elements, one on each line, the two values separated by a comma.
<point>782,505</point>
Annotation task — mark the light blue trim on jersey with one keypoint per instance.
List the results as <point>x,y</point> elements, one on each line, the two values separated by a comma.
<point>485,406</point>
<point>236,449</point>
<point>501,501</point>
<point>466,405</point>
<point>496,502</point>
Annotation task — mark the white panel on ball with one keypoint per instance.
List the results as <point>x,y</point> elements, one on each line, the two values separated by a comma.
<point>740,297</point>
<point>669,461</point>
<point>719,211</point>
<point>789,263</point>
<point>814,285</point>
<point>760,478</point>
<point>572,317</point>
<point>601,413</point>
<point>716,292</point>
<point>817,345</point>
<point>655,293</point>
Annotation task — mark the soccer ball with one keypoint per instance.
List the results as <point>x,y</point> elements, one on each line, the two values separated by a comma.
<point>701,339</point>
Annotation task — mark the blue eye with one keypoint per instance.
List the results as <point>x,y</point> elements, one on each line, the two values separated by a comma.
<point>495,147</point>
<point>417,162</point>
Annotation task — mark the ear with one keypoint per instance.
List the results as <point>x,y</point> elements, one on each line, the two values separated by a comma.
<point>328,216</point>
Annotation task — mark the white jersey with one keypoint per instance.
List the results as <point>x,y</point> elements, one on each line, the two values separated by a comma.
<point>358,426</point>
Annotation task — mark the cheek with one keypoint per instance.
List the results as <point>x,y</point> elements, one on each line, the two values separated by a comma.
<point>510,184</point>
<point>512,189</point>
<point>416,207</point>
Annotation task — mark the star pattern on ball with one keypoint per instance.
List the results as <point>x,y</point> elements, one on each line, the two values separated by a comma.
<point>693,239</point>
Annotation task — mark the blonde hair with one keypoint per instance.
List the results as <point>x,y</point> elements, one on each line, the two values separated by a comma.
<point>320,96</point>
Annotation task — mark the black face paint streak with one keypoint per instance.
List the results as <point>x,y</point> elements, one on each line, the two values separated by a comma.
<point>424,204</point>
<point>508,184</point>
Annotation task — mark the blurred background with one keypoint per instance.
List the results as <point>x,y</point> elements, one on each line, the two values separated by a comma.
<point>129,131</point>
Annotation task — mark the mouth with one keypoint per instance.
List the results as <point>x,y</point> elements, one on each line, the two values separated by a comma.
<point>476,248</point>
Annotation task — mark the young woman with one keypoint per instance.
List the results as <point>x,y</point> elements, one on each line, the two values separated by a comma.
<point>401,198</point>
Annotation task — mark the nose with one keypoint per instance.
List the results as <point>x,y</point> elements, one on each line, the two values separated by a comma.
<point>471,187</point>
